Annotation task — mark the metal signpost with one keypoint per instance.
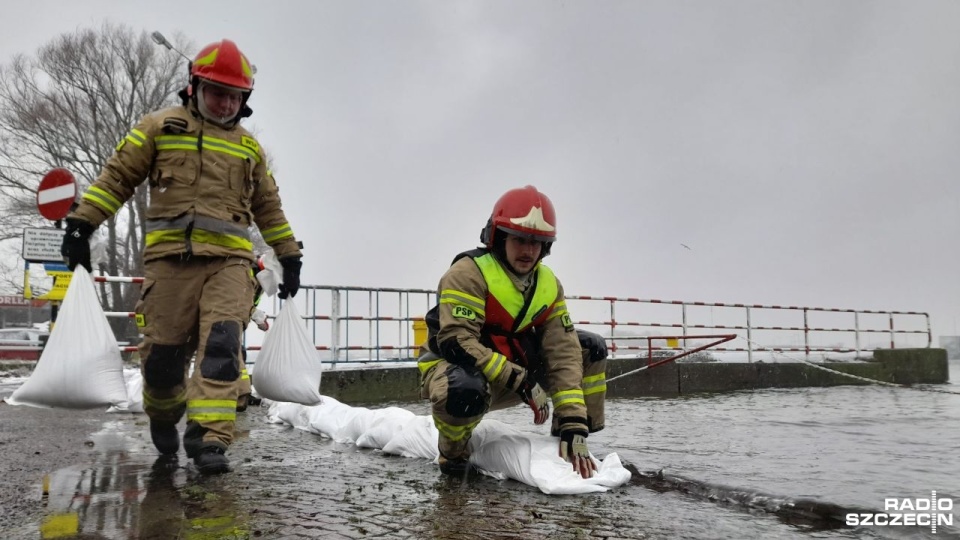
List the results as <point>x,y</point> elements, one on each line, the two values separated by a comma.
<point>56,196</point>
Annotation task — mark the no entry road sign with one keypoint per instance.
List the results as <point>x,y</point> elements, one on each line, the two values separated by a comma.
<point>56,194</point>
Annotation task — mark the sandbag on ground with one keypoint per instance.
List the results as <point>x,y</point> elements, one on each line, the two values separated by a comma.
<point>497,448</point>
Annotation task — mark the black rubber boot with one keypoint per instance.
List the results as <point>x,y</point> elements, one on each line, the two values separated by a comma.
<point>242,402</point>
<point>165,437</point>
<point>459,468</point>
<point>211,460</point>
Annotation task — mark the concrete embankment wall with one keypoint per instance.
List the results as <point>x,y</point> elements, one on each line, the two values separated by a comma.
<point>901,366</point>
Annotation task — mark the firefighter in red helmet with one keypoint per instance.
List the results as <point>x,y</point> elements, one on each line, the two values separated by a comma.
<point>208,184</point>
<point>501,335</point>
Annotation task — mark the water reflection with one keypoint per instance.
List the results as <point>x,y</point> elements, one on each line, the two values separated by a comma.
<point>126,494</point>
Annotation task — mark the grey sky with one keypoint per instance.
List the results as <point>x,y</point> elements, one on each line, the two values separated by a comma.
<point>806,152</point>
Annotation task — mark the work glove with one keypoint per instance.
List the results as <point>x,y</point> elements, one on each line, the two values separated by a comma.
<point>76,244</point>
<point>291,277</point>
<point>533,395</point>
<point>573,449</point>
<point>594,343</point>
<point>260,318</point>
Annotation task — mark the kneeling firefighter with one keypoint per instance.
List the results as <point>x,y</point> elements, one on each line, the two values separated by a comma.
<point>501,335</point>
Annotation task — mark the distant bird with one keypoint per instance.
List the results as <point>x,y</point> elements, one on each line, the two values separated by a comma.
<point>686,246</point>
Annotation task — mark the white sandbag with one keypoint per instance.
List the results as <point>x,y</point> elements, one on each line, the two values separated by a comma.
<point>134,383</point>
<point>288,367</point>
<point>534,460</point>
<point>272,273</point>
<point>384,427</point>
<point>415,438</point>
<point>496,448</point>
<point>80,367</point>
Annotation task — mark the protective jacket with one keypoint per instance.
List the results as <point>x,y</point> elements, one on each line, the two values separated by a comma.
<point>501,325</point>
<point>208,184</point>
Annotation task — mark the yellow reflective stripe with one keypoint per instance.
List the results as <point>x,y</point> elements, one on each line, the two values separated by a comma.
<point>211,403</point>
<point>218,239</point>
<point>187,142</point>
<point>244,376</point>
<point>165,404</point>
<point>175,142</point>
<point>212,409</point>
<point>227,147</point>
<point>560,308</point>
<point>568,397</point>
<point>451,296</point>
<point>279,232</point>
<point>454,433</point>
<point>213,417</point>
<point>136,137</point>
<point>103,199</point>
<point>594,384</point>
<point>494,366</point>
<point>170,235</point>
<point>198,236</point>
<point>426,365</point>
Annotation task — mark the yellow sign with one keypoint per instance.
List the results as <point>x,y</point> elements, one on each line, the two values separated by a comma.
<point>61,280</point>
<point>673,342</point>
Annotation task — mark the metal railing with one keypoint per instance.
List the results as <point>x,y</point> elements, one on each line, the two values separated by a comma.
<point>893,325</point>
<point>363,324</point>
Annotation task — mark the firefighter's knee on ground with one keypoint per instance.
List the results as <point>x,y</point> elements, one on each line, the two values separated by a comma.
<point>467,394</point>
<point>164,366</point>
<point>221,356</point>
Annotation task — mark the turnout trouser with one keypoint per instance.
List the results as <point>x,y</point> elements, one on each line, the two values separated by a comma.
<point>196,305</point>
<point>460,398</point>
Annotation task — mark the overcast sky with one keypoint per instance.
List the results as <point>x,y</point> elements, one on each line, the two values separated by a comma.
<point>806,152</point>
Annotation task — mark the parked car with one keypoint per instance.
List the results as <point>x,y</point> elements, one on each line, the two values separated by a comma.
<point>22,343</point>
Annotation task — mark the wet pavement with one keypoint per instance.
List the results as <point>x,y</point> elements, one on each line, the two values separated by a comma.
<point>103,480</point>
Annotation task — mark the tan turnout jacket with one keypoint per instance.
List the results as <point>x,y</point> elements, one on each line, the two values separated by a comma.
<point>208,184</point>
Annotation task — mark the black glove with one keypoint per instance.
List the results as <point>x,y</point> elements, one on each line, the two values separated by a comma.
<point>573,448</point>
<point>593,343</point>
<point>291,277</point>
<point>76,244</point>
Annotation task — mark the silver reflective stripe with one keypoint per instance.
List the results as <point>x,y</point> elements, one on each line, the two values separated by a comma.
<point>204,223</point>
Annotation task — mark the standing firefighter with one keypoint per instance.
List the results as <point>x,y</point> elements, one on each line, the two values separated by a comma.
<point>208,184</point>
<point>501,334</point>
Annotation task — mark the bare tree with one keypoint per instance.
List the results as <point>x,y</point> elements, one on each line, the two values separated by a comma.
<point>68,107</point>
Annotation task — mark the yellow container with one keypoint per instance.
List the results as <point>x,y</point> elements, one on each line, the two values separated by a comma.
<point>419,333</point>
